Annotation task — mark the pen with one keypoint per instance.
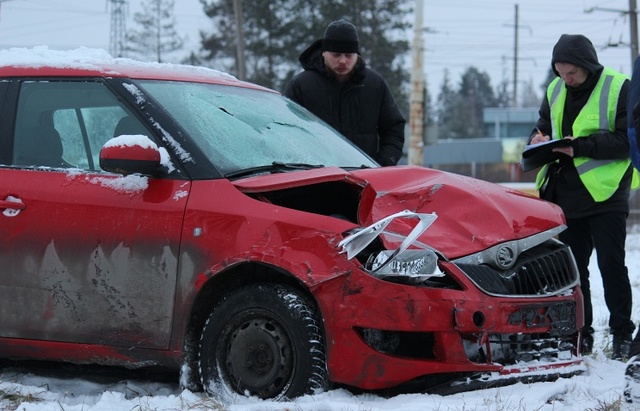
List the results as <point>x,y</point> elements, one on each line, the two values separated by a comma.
<point>539,132</point>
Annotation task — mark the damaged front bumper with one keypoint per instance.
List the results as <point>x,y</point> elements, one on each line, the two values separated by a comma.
<point>472,319</point>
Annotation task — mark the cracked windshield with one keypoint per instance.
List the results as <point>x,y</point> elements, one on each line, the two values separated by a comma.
<point>242,128</point>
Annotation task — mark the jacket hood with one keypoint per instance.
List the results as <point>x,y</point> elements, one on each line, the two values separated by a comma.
<point>311,57</point>
<point>578,50</point>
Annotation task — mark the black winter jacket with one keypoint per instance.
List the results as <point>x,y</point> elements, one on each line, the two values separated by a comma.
<point>362,108</point>
<point>565,187</point>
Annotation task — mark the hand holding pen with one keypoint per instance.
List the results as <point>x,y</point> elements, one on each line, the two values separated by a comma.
<point>539,138</point>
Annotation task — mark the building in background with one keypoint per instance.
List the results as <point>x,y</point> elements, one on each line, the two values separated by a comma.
<point>494,157</point>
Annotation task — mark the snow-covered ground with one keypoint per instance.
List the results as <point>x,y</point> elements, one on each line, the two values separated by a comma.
<point>599,388</point>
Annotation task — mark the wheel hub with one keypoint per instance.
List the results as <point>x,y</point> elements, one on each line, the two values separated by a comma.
<point>259,359</point>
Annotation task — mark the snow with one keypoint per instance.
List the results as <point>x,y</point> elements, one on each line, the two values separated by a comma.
<point>130,184</point>
<point>131,140</point>
<point>28,388</point>
<point>91,59</point>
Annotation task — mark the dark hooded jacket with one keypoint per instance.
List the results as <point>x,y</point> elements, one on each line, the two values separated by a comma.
<point>633,116</point>
<point>565,187</point>
<point>362,108</point>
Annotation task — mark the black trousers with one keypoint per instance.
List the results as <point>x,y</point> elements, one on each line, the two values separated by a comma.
<point>607,233</point>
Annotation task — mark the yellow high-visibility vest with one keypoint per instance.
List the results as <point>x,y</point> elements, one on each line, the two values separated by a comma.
<point>600,177</point>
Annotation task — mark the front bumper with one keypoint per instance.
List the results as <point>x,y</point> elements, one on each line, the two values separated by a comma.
<point>384,335</point>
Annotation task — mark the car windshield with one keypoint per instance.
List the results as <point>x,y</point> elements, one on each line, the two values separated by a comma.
<point>242,129</point>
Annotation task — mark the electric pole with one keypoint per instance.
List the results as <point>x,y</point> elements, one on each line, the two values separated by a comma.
<point>117,32</point>
<point>633,28</point>
<point>515,62</point>
<point>241,66</point>
<point>416,115</point>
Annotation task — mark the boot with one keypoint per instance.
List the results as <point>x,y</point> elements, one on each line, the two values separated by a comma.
<point>621,346</point>
<point>587,341</point>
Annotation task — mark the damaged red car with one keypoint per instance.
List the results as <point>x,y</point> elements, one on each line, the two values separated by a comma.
<point>158,215</point>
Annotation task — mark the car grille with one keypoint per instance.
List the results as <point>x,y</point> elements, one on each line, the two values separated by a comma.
<point>547,269</point>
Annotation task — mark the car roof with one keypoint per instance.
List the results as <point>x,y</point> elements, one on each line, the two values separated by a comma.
<point>85,62</point>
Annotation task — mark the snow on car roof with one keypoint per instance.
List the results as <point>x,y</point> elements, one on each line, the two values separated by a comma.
<point>42,61</point>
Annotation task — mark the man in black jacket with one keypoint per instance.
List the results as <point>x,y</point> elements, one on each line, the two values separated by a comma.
<point>632,372</point>
<point>591,182</point>
<point>337,86</point>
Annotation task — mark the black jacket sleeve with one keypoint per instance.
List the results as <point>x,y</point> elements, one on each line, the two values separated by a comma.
<point>390,131</point>
<point>292,91</point>
<point>633,115</point>
<point>544,120</point>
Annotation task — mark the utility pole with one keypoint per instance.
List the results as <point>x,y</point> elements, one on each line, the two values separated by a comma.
<point>117,31</point>
<point>633,28</point>
<point>241,66</point>
<point>416,115</point>
<point>515,62</point>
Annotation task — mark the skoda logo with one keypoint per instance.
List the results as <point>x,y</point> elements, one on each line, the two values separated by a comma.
<point>505,256</point>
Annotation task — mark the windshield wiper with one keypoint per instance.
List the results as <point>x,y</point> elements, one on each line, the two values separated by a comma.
<point>360,167</point>
<point>275,167</point>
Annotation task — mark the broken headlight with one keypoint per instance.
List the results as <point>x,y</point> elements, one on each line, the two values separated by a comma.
<point>412,266</point>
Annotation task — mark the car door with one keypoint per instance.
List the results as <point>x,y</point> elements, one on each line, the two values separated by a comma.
<point>85,256</point>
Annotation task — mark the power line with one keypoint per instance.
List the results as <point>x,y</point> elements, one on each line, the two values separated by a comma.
<point>633,26</point>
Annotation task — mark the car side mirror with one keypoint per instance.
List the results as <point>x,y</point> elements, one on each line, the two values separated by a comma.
<point>131,155</point>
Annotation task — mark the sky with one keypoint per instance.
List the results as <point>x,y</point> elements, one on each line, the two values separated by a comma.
<point>482,33</point>
<point>599,387</point>
<point>457,33</point>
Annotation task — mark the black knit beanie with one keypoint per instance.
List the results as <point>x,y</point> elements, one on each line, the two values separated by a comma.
<point>340,37</point>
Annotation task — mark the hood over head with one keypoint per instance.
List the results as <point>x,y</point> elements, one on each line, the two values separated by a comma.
<point>578,50</point>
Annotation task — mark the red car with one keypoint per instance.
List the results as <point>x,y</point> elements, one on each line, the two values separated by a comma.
<point>158,215</point>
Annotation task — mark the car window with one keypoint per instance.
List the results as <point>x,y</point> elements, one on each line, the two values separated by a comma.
<point>239,128</point>
<point>64,124</point>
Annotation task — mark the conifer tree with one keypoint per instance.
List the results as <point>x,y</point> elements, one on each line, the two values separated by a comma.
<point>275,32</point>
<point>446,108</point>
<point>157,35</point>
<point>461,111</point>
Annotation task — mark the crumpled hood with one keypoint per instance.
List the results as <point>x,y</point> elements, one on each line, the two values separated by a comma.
<point>472,214</point>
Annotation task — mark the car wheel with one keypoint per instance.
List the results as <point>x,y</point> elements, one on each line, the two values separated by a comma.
<point>263,340</point>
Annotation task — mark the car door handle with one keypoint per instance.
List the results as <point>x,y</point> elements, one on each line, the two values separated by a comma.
<point>4,204</point>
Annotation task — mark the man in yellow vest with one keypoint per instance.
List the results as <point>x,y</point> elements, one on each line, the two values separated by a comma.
<point>591,181</point>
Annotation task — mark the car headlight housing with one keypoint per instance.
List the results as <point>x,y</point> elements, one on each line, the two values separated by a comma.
<point>408,266</point>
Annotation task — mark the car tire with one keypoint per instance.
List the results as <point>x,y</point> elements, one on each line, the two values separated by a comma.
<point>263,340</point>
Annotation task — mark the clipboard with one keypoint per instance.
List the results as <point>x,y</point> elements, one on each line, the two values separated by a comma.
<point>537,155</point>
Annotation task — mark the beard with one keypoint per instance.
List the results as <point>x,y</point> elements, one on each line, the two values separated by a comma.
<point>341,77</point>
